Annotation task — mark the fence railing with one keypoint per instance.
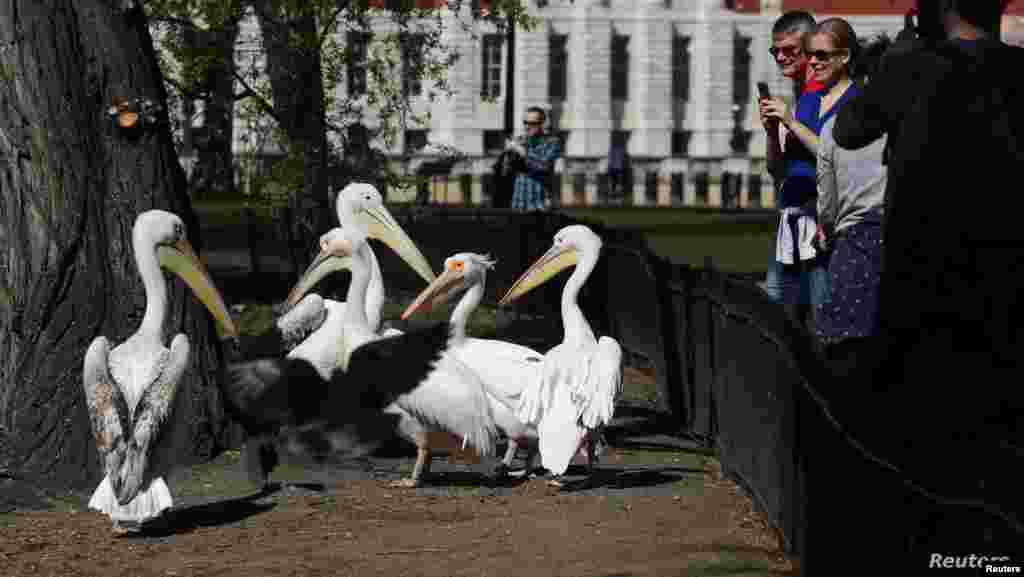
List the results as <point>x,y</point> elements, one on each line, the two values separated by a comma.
<point>733,369</point>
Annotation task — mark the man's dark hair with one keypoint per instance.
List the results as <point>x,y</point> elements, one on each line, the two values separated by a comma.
<point>794,21</point>
<point>539,110</point>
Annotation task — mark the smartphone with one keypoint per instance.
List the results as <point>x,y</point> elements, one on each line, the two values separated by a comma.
<point>762,89</point>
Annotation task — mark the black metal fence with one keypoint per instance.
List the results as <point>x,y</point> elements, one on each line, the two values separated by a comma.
<point>733,368</point>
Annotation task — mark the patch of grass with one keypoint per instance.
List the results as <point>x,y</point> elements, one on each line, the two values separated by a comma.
<point>639,386</point>
<point>726,563</point>
<point>483,323</point>
<point>8,520</point>
<point>256,319</point>
<point>212,478</point>
<point>64,503</point>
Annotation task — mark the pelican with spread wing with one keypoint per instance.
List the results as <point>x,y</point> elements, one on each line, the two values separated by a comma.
<point>582,376</point>
<point>505,368</point>
<point>449,399</point>
<point>130,389</point>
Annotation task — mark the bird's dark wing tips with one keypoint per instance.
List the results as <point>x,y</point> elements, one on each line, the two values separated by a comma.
<point>396,365</point>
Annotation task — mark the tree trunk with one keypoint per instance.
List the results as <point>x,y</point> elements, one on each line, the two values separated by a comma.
<point>215,160</point>
<point>72,184</point>
<point>293,67</point>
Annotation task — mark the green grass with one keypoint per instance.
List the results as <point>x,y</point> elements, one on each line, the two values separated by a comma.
<point>737,241</point>
<point>726,563</point>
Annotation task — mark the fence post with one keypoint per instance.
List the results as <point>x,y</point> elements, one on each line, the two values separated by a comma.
<point>674,387</point>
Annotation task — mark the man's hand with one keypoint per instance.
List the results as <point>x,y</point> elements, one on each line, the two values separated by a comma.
<point>774,109</point>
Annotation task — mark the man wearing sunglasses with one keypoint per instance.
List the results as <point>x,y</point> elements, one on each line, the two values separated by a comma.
<point>789,161</point>
<point>537,152</point>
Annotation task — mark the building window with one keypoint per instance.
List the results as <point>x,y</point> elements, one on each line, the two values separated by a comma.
<point>620,67</point>
<point>492,68</point>
<point>680,68</point>
<point>358,44</point>
<point>412,63</point>
<point>680,143</point>
<point>558,67</point>
<point>740,92</point>
<point>415,140</point>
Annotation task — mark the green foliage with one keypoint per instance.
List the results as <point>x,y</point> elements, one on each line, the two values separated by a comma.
<point>406,47</point>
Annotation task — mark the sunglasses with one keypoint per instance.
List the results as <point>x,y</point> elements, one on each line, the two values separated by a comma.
<point>787,51</point>
<point>823,55</point>
<point>532,123</point>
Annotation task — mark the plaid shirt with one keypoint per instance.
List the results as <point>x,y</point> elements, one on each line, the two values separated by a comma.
<point>530,190</point>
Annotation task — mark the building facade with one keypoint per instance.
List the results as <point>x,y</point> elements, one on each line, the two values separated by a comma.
<point>671,80</point>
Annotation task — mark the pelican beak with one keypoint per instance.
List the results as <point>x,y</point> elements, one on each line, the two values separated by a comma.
<point>181,260</point>
<point>555,260</point>
<point>382,226</point>
<point>328,261</point>
<point>444,287</point>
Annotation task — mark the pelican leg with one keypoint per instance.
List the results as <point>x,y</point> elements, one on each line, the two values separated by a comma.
<point>260,458</point>
<point>422,467</point>
<point>501,471</point>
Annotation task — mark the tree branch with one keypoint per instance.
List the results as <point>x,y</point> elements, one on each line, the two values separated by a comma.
<point>340,7</point>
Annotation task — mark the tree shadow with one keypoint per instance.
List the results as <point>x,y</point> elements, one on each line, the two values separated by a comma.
<point>217,513</point>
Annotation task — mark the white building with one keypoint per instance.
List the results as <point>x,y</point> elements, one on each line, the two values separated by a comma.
<point>674,79</point>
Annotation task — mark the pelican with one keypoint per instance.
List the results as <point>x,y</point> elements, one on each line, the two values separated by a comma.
<point>505,368</point>
<point>360,206</point>
<point>449,399</point>
<point>582,376</point>
<point>130,389</point>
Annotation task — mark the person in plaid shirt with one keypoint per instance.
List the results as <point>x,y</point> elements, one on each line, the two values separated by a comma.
<point>539,150</point>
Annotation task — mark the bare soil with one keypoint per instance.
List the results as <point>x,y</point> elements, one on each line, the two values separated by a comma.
<point>656,506</point>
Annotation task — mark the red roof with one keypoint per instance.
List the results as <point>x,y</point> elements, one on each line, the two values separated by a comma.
<point>868,6</point>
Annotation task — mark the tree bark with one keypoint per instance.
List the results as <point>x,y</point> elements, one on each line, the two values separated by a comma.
<point>72,184</point>
<point>291,42</point>
<point>214,170</point>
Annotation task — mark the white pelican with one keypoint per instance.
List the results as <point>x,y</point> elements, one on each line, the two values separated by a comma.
<point>360,206</point>
<point>505,368</point>
<point>451,399</point>
<point>130,389</point>
<point>582,376</point>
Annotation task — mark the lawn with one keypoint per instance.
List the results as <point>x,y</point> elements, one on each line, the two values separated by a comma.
<point>737,241</point>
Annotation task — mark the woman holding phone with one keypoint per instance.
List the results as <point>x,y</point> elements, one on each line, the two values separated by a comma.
<point>831,51</point>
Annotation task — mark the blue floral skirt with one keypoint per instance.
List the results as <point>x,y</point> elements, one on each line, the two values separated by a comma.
<point>854,272</point>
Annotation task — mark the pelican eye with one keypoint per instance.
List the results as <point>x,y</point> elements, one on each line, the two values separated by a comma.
<point>455,265</point>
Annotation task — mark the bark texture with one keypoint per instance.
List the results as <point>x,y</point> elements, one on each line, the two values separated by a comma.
<point>72,184</point>
<point>291,41</point>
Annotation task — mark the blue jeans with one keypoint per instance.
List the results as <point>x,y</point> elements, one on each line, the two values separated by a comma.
<point>803,284</point>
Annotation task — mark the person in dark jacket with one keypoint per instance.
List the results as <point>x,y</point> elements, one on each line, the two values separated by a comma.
<point>950,100</point>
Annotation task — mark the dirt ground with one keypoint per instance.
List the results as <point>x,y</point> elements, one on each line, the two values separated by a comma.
<point>654,507</point>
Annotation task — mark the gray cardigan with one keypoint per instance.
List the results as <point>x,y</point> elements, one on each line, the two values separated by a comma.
<point>850,182</point>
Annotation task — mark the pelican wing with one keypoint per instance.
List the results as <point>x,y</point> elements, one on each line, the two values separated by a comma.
<point>108,410</point>
<point>149,426</point>
<point>452,398</point>
<point>311,415</point>
<point>506,369</point>
<point>603,387</point>
<point>302,320</point>
<point>288,332</point>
